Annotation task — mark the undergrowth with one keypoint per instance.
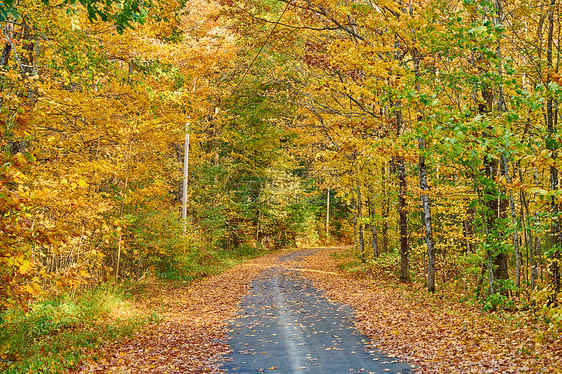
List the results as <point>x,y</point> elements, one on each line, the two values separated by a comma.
<point>200,264</point>
<point>382,268</point>
<point>54,335</point>
<point>453,289</point>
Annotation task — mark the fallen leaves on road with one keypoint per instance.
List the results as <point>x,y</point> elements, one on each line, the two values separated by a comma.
<point>190,336</point>
<point>436,334</point>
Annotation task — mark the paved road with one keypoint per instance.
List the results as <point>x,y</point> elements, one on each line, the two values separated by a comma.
<point>287,326</point>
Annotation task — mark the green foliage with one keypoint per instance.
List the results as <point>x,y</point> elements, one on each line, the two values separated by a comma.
<point>549,309</point>
<point>199,264</point>
<point>553,316</point>
<point>501,298</point>
<point>7,10</point>
<point>55,335</point>
<point>157,238</point>
<point>354,268</point>
<point>383,267</point>
<point>123,13</point>
<point>282,207</point>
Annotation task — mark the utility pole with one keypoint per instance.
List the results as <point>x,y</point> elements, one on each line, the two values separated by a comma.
<point>185,170</point>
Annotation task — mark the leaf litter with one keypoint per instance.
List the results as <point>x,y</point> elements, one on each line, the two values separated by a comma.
<point>436,334</point>
<point>190,337</point>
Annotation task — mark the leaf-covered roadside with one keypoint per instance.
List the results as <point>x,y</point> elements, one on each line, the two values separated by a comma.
<point>437,333</point>
<point>190,335</point>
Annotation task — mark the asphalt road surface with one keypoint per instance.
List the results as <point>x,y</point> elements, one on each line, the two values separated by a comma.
<point>287,326</point>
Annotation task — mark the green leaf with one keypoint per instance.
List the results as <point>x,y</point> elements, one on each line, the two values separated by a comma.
<point>512,117</point>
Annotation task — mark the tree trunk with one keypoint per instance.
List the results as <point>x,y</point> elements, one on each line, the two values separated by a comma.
<point>7,46</point>
<point>328,216</point>
<point>28,49</point>
<point>505,172</point>
<point>5,54</point>
<point>385,210</point>
<point>469,230</point>
<point>360,224</point>
<point>551,119</point>
<point>494,205</point>
<point>374,234</point>
<point>355,224</point>
<point>427,220</point>
<point>535,268</point>
<point>403,222</point>
<point>402,206</point>
<point>525,217</point>
<point>417,57</point>
<point>496,208</point>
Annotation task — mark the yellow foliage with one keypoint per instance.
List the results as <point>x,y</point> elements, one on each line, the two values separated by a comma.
<point>105,112</point>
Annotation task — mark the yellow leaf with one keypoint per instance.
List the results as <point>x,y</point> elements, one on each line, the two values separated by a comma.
<point>25,267</point>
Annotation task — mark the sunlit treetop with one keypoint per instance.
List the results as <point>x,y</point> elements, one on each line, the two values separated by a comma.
<point>123,13</point>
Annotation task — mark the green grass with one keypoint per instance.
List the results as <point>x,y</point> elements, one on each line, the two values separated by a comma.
<point>53,336</point>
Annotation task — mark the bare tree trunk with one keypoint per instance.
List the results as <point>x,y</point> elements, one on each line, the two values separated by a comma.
<point>125,192</point>
<point>425,188</point>
<point>385,210</point>
<point>496,209</point>
<point>360,223</point>
<point>27,56</point>
<point>469,230</point>
<point>505,173</point>
<point>525,214</point>
<point>525,240</point>
<point>355,224</point>
<point>402,206</point>
<point>374,234</point>
<point>118,258</point>
<point>551,119</point>
<point>328,216</point>
<point>403,222</point>
<point>427,220</point>
<point>7,46</point>
<point>5,54</point>
<point>535,268</point>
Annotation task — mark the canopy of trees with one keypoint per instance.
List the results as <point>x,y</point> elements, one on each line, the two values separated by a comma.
<point>429,128</point>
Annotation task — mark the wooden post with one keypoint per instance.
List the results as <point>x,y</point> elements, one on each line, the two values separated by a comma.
<point>185,173</point>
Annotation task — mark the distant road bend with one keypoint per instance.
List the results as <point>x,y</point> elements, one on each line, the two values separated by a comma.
<point>287,326</point>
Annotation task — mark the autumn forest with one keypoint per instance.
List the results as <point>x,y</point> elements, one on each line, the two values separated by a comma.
<point>172,139</point>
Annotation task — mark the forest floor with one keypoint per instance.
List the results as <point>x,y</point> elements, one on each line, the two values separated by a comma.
<point>435,333</point>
